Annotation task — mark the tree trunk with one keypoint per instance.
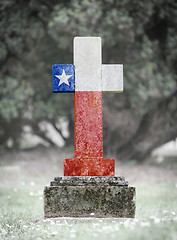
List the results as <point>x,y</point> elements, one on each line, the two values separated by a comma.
<point>135,137</point>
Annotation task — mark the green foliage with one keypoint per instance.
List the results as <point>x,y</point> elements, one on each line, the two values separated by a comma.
<point>36,34</point>
<point>15,96</point>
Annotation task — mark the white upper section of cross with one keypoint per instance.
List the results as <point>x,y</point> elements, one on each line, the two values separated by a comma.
<point>90,74</point>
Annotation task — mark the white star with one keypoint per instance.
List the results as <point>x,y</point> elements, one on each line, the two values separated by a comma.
<point>63,78</point>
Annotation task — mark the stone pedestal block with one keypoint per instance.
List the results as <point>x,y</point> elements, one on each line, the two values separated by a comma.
<point>89,197</point>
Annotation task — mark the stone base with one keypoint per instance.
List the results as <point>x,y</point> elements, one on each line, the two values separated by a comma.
<point>89,197</point>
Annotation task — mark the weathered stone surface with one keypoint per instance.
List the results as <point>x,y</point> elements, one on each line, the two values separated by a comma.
<point>88,124</point>
<point>113,72</point>
<point>89,197</point>
<point>90,73</point>
<point>87,61</point>
<point>85,181</point>
<point>89,166</point>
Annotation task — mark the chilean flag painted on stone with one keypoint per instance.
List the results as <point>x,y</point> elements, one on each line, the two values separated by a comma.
<point>88,78</point>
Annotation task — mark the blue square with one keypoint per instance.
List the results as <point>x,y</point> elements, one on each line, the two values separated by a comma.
<point>63,78</point>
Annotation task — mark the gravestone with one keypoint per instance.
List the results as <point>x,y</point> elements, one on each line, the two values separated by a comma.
<point>89,187</point>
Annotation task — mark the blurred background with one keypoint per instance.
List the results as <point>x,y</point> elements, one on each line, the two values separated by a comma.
<point>37,126</point>
<point>141,35</point>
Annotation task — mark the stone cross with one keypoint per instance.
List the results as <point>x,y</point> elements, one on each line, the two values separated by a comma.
<point>88,187</point>
<point>88,78</point>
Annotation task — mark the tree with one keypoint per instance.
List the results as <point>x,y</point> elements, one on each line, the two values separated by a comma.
<point>141,35</point>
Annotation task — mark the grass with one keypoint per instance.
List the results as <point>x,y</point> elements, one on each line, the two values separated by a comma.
<point>21,216</point>
<point>21,206</point>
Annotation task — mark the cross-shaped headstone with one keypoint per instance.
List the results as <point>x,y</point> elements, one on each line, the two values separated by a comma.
<point>87,78</point>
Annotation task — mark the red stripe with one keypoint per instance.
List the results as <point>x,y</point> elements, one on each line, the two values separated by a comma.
<point>89,159</point>
<point>88,124</point>
<point>89,167</point>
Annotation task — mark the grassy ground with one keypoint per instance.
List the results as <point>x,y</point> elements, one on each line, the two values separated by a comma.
<point>21,206</point>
